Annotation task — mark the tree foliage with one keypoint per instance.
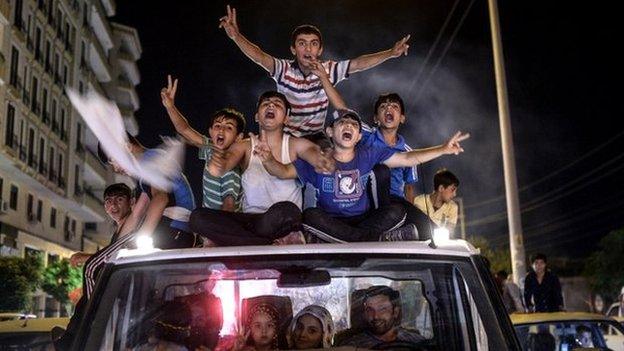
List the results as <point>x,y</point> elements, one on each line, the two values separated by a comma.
<point>59,279</point>
<point>20,278</point>
<point>500,258</point>
<point>604,268</point>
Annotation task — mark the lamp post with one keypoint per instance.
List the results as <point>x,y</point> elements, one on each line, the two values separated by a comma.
<point>516,243</point>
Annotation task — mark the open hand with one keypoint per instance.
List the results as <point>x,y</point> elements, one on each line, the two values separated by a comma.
<point>400,47</point>
<point>452,146</point>
<point>168,94</point>
<point>229,23</point>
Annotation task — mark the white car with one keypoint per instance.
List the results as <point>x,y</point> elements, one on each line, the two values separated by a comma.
<point>447,295</point>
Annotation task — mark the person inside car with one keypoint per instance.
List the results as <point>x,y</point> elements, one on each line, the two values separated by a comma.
<point>312,328</point>
<point>171,329</point>
<point>382,315</point>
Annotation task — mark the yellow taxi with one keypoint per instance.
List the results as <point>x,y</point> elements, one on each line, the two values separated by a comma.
<point>563,331</point>
<point>29,334</point>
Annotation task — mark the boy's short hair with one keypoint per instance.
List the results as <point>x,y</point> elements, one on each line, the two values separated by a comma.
<point>272,93</point>
<point>118,189</point>
<point>539,256</point>
<point>445,178</point>
<point>390,97</point>
<point>305,29</point>
<point>232,114</point>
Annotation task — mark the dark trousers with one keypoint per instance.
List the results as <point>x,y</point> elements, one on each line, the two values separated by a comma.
<point>365,227</point>
<point>238,229</point>
<point>65,341</point>
<point>166,237</point>
<point>414,215</point>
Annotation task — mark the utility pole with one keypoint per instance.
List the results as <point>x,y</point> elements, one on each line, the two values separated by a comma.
<point>516,242</point>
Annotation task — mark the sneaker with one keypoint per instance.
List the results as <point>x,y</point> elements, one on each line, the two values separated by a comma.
<point>405,233</point>
<point>293,238</point>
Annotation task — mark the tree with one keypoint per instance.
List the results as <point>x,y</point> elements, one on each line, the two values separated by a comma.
<point>59,279</point>
<point>20,278</point>
<point>500,258</point>
<point>604,267</point>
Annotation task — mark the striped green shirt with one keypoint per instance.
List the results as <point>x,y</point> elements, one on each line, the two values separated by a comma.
<point>215,189</point>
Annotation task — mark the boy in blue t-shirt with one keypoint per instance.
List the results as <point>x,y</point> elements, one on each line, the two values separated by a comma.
<point>344,213</point>
<point>397,184</point>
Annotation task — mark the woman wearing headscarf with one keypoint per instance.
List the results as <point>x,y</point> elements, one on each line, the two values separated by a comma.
<point>312,328</point>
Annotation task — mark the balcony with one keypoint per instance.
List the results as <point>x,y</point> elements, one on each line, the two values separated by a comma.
<point>130,42</point>
<point>128,97</point>
<point>100,26</point>
<point>99,62</point>
<point>95,166</point>
<point>46,118</point>
<point>16,87</point>
<point>62,183</point>
<point>19,29</point>
<point>23,155</point>
<point>128,64</point>
<point>110,7</point>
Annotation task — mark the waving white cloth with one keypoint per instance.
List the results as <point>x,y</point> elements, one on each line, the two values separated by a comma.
<point>105,121</point>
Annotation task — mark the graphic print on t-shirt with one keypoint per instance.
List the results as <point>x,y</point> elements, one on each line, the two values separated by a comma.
<point>347,184</point>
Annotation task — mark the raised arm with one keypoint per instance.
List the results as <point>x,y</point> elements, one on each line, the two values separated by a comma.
<point>365,62</point>
<point>415,157</point>
<point>274,167</point>
<point>335,99</point>
<point>322,160</point>
<point>180,123</point>
<point>230,24</point>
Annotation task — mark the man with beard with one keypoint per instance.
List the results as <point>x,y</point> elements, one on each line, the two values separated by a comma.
<point>382,314</point>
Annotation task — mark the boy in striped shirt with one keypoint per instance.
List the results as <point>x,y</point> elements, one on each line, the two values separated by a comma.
<point>225,127</point>
<point>294,77</point>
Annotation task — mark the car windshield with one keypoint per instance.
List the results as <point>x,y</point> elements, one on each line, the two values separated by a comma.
<point>571,335</point>
<point>386,302</point>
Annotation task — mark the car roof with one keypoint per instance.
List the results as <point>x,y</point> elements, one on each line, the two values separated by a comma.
<point>532,318</point>
<point>454,248</point>
<point>32,325</point>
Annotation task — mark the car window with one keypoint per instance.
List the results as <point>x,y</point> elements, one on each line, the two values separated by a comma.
<point>436,307</point>
<point>26,341</point>
<point>570,335</point>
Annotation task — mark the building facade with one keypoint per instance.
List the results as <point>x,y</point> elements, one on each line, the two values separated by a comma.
<point>51,180</point>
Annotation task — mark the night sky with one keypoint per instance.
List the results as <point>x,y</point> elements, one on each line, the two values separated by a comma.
<point>561,73</point>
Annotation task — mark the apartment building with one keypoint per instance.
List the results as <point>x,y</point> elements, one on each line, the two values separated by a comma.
<point>51,180</point>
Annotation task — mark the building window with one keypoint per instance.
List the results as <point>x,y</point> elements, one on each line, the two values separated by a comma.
<point>42,165</point>
<point>19,22</point>
<point>60,170</point>
<point>53,217</point>
<point>39,210</point>
<point>9,138</point>
<point>44,106</point>
<point>13,197</point>
<point>30,252</point>
<point>29,207</point>
<point>77,188</point>
<point>79,137</point>
<point>52,258</point>
<point>1,187</point>
<point>65,74</point>
<point>51,173</point>
<point>14,67</point>
<point>33,99</point>
<point>31,147</point>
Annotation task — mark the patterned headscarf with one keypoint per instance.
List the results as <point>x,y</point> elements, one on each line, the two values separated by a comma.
<point>269,310</point>
<point>320,313</point>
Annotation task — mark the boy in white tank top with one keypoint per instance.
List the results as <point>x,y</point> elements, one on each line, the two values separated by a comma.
<point>271,210</point>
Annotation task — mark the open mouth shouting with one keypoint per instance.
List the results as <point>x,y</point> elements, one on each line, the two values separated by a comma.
<point>269,114</point>
<point>347,135</point>
<point>388,117</point>
<point>219,141</point>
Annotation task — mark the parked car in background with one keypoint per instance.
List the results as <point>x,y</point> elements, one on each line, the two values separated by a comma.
<point>29,334</point>
<point>9,316</point>
<point>563,331</point>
